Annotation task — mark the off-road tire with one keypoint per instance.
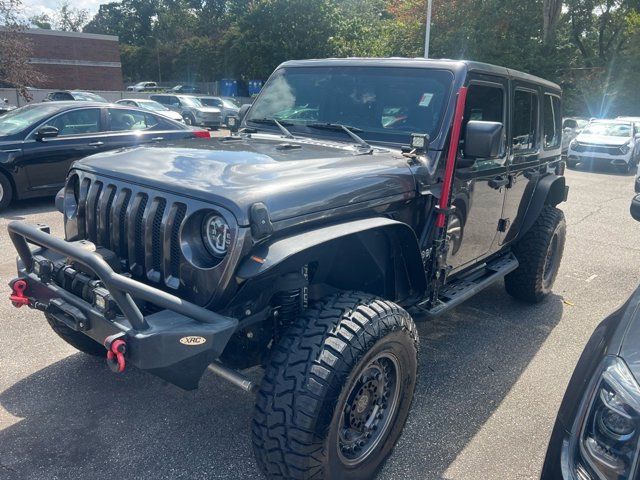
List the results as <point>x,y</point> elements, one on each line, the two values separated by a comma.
<point>6,192</point>
<point>190,120</point>
<point>76,339</point>
<point>311,377</point>
<point>533,279</point>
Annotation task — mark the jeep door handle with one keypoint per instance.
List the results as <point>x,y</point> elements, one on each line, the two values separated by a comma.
<point>157,139</point>
<point>499,182</point>
<point>96,144</point>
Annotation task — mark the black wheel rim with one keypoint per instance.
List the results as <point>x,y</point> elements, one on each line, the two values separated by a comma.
<point>551,261</point>
<point>369,409</point>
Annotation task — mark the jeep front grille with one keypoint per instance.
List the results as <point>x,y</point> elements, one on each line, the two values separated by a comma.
<point>590,148</point>
<point>141,227</point>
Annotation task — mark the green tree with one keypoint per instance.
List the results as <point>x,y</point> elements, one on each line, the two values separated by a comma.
<point>42,21</point>
<point>273,31</point>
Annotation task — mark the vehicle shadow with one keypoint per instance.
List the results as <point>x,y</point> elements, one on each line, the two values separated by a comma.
<point>76,419</point>
<point>19,208</point>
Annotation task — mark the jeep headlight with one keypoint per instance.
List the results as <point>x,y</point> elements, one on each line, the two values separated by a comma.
<point>608,437</point>
<point>71,196</point>
<point>215,235</point>
<point>625,148</point>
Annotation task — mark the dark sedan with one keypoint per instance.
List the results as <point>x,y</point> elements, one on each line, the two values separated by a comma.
<point>39,142</point>
<point>597,432</point>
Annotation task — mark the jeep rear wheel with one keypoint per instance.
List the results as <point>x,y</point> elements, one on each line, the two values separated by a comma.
<point>539,253</point>
<point>76,339</point>
<point>337,391</point>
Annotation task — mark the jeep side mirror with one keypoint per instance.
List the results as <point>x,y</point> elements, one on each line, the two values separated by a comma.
<point>243,112</point>
<point>635,208</point>
<point>483,139</point>
<point>48,131</point>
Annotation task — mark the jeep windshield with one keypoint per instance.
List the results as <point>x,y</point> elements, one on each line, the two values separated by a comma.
<point>384,104</point>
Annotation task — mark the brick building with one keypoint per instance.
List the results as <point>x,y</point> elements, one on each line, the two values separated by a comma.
<point>71,60</point>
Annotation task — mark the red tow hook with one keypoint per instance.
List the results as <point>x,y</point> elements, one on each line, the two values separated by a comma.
<point>17,296</point>
<point>116,348</point>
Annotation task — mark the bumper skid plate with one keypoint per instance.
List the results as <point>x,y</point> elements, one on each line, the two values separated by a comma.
<point>176,340</point>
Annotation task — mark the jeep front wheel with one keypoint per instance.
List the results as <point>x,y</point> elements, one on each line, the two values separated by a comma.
<point>337,391</point>
<point>539,253</point>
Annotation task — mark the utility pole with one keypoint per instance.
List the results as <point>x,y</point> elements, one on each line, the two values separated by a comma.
<point>427,33</point>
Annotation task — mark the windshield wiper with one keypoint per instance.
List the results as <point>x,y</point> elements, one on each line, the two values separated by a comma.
<point>273,121</point>
<point>348,130</point>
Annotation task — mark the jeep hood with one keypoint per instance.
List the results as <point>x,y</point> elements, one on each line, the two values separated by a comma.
<point>291,178</point>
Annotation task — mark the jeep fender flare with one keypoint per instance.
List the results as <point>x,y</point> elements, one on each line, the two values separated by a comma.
<point>283,255</point>
<point>550,190</point>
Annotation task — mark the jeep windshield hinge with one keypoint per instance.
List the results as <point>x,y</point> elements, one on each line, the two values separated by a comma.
<point>438,269</point>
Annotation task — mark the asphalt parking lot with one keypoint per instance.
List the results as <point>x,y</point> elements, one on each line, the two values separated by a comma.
<point>492,375</point>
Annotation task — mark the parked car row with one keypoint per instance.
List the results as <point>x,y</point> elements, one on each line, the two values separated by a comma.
<point>38,142</point>
<point>154,87</point>
<point>197,110</point>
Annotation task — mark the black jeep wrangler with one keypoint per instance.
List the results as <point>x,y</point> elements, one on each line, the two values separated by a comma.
<point>356,193</point>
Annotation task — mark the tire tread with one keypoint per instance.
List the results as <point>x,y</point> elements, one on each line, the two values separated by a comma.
<point>525,282</point>
<point>309,365</point>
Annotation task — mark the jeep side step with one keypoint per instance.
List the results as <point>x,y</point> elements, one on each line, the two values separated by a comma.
<point>460,290</point>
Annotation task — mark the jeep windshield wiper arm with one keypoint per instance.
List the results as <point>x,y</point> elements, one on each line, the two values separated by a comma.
<point>348,130</point>
<point>275,122</point>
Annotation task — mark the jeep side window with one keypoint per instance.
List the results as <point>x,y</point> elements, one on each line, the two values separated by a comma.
<point>484,103</point>
<point>524,126</point>
<point>551,118</point>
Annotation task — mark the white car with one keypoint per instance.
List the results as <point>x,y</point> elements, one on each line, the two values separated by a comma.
<point>614,142</point>
<point>144,87</point>
<point>152,106</point>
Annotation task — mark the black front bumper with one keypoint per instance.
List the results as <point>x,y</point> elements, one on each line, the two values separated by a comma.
<point>176,342</point>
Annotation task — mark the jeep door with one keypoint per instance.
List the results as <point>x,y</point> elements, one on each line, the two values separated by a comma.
<point>479,183</point>
<point>524,162</point>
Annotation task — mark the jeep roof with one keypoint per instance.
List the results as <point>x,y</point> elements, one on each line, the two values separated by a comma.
<point>454,65</point>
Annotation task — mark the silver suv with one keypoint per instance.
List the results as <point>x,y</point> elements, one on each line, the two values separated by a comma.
<point>226,106</point>
<point>191,109</point>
